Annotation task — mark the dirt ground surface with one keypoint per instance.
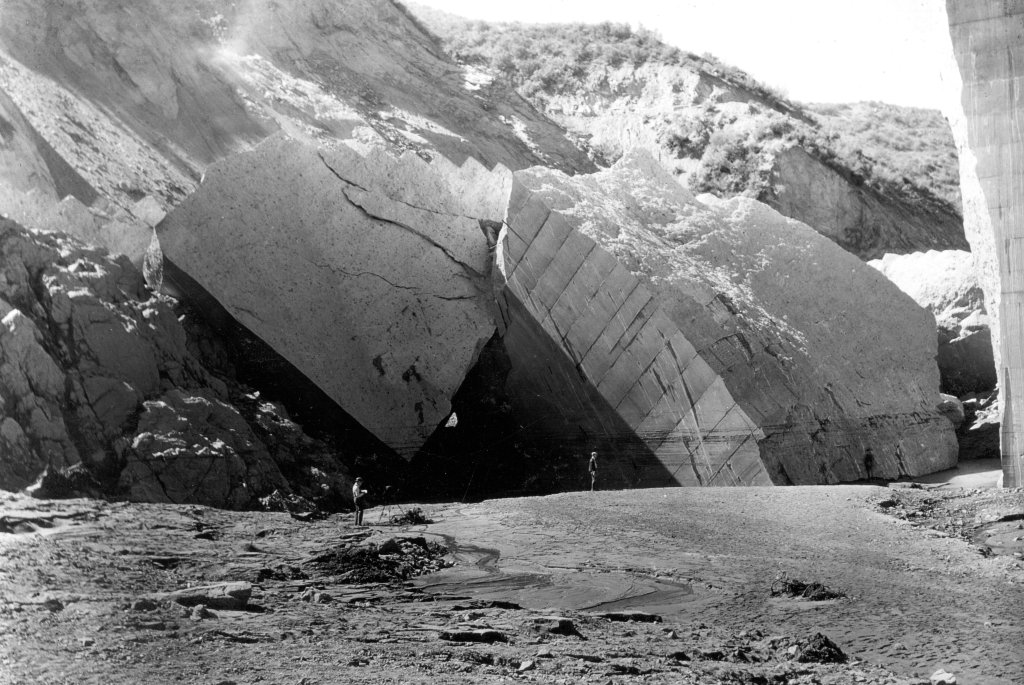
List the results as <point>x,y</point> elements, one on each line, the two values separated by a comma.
<point>652,586</point>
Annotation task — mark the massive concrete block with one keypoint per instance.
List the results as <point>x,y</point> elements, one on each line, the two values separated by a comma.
<point>987,123</point>
<point>738,346</point>
<point>370,274</point>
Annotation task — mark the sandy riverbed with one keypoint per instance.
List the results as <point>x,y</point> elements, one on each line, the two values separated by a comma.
<point>922,590</point>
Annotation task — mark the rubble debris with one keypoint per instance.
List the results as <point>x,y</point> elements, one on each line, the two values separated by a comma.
<point>481,635</point>
<point>783,586</point>
<point>395,560</point>
<point>636,616</point>
<point>411,517</point>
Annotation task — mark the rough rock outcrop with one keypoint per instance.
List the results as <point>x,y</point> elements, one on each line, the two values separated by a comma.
<point>946,284</point>
<point>987,124</point>
<point>369,274</point>
<point>84,344</point>
<point>194,447</point>
<point>95,369</point>
<point>719,341</point>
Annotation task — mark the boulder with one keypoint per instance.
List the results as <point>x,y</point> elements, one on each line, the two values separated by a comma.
<point>231,596</point>
<point>984,114</point>
<point>708,342</point>
<point>952,408</point>
<point>946,284</point>
<point>368,273</point>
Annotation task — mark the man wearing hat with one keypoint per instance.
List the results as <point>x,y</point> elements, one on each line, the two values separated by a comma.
<point>359,499</point>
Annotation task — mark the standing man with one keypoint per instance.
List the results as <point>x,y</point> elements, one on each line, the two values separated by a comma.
<point>869,460</point>
<point>359,499</point>
<point>592,468</point>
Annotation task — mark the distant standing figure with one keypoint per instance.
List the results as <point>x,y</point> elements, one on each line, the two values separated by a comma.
<point>359,499</point>
<point>592,468</point>
<point>869,461</point>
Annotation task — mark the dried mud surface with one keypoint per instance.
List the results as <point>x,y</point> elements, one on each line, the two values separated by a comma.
<point>648,586</point>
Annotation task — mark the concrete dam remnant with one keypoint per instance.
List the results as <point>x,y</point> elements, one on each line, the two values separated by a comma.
<point>694,341</point>
<point>369,274</point>
<point>741,347</point>
<point>987,123</point>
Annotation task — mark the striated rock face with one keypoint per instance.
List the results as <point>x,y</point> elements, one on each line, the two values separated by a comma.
<point>724,343</point>
<point>369,274</point>
<point>946,284</point>
<point>987,124</point>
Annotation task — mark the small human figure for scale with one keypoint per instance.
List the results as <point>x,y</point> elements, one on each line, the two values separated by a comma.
<point>592,468</point>
<point>869,461</point>
<point>359,499</point>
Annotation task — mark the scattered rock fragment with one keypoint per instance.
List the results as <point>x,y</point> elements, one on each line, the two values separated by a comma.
<point>201,613</point>
<point>144,604</point>
<point>481,635</point>
<point>556,625</point>
<point>820,650</point>
<point>942,677</point>
<point>231,596</point>
<point>53,604</point>
<point>314,596</point>
<point>635,616</point>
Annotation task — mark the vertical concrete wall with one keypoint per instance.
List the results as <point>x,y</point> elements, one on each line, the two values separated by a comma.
<point>988,42</point>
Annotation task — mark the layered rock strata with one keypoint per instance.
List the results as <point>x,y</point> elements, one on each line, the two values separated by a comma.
<point>987,124</point>
<point>369,274</point>
<point>738,346</point>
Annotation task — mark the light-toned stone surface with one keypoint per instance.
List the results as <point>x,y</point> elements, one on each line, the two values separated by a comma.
<point>946,284</point>
<point>369,274</point>
<point>987,126</point>
<point>739,346</point>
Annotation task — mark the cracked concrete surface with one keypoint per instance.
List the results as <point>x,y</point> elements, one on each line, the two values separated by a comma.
<point>353,286</point>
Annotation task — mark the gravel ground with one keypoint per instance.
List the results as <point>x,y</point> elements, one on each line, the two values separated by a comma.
<point>654,586</point>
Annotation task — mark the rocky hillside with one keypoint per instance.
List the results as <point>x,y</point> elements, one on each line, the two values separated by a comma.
<point>619,88</point>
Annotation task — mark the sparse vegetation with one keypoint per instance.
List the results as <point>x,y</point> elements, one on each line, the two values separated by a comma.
<point>903,153</point>
<point>905,146</point>
<point>557,58</point>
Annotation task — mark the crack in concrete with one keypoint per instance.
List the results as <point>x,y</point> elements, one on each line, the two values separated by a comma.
<point>472,274</point>
<point>397,286</point>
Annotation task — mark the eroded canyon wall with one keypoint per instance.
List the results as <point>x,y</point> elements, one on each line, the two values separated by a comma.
<point>986,38</point>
